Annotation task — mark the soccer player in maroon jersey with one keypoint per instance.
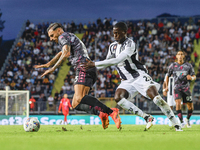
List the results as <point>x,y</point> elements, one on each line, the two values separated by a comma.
<point>183,73</point>
<point>73,47</point>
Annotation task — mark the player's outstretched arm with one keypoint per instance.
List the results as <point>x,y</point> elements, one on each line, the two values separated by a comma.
<point>166,84</point>
<point>105,63</point>
<point>64,55</point>
<point>164,88</point>
<point>51,62</point>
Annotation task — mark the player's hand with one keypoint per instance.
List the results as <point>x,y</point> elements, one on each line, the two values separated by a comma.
<point>71,108</point>
<point>59,111</point>
<point>164,93</point>
<point>189,77</point>
<point>48,71</point>
<point>166,89</point>
<point>41,66</point>
<point>88,64</point>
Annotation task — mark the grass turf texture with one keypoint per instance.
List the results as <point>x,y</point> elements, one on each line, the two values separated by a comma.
<point>93,137</point>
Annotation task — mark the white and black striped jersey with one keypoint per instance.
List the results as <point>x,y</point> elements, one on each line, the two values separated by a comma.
<point>125,57</point>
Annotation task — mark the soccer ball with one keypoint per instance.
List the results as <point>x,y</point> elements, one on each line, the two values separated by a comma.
<point>31,125</point>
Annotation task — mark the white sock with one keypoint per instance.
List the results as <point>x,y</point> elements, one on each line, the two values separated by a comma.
<point>165,109</point>
<point>127,105</point>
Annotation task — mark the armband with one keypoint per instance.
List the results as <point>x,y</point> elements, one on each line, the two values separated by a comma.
<point>192,78</point>
<point>164,90</point>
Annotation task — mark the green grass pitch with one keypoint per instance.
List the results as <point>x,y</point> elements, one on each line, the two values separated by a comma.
<point>93,137</point>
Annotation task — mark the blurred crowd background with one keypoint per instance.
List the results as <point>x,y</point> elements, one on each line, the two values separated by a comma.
<point>157,42</point>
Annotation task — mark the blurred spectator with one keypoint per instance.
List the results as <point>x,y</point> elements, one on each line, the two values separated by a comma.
<point>157,45</point>
<point>42,102</point>
<point>2,85</point>
<point>50,101</point>
<point>195,56</point>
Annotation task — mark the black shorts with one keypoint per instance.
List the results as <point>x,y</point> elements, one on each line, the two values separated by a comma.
<point>184,94</point>
<point>87,78</point>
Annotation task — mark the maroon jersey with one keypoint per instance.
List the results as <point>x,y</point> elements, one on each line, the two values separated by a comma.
<point>180,72</point>
<point>78,50</point>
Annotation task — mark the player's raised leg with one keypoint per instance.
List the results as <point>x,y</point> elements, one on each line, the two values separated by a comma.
<point>80,98</point>
<point>157,99</point>
<point>92,110</point>
<point>121,96</point>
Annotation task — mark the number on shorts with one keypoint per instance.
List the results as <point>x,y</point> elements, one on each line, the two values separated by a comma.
<point>76,78</point>
<point>189,98</point>
<point>147,78</point>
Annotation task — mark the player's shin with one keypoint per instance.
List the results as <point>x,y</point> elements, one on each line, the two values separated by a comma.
<point>93,102</point>
<point>127,105</point>
<point>87,108</point>
<point>189,114</point>
<point>165,109</point>
<point>180,116</point>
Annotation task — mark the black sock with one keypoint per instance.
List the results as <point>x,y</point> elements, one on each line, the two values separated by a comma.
<point>93,102</point>
<point>179,113</point>
<point>189,114</point>
<point>87,108</point>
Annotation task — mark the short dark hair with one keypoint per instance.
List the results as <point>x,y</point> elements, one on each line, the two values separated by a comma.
<point>121,25</point>
<point>54,26</point>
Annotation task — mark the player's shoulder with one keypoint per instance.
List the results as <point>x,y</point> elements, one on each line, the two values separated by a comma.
<point>188,64</point>
<point>129,42</point>
<point>65,35</point>
<point>113,43</point>
<point>172,64</point>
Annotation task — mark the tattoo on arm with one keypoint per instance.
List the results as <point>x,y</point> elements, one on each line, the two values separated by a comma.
<point>55,59</point>
<point>66,49</point>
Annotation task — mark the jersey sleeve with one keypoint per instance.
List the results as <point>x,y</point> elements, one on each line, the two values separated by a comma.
<point>166,77</point>
<point>109,55</point>
<point>130,48</point>
<point>170,70</point>
<point>64,40</point>
<point>191,71</point>
<point>112,61</point>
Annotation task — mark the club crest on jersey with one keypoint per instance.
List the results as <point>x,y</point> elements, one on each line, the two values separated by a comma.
<point>114,47</point>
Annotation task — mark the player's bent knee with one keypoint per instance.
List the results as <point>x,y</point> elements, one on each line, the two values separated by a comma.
<point>76,100</point>
<point>117,99</point>
<point>120,94</point>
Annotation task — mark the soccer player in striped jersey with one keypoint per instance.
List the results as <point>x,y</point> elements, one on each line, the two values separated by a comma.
<point>168,91</point>
<point>133,73</point>
<point>183,72</point>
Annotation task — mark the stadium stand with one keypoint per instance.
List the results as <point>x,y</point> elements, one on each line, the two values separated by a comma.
<point>157,41</point>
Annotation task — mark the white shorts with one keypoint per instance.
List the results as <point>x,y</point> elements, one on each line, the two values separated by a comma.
<point>170,93</point>
<point>139,85</point>
<point>170,99</point>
